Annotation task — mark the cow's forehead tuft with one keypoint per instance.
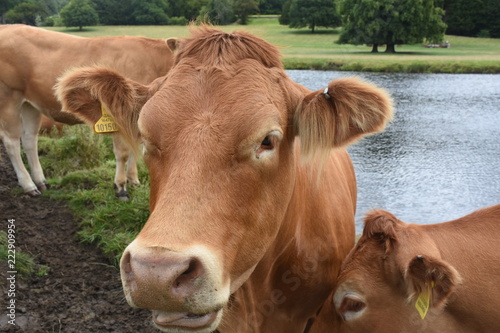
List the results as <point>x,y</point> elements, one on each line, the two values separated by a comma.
<point>210,46</point>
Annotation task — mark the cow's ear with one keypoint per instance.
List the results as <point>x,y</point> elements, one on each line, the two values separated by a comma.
<point>173,44</point>
<point>431,275</point>
<point>341,114</point>
<point>382,226</point>
<point>83,91</point>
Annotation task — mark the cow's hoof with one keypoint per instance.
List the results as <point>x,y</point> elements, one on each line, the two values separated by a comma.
<point>33,193</point>
<point>121,192</point>
<point>123,196</point>
<point>43,187</point>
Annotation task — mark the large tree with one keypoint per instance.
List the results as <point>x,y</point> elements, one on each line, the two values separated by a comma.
<point>79,13</point>
<point>390,22</point>
<point>244,8</point>
<point>313,13</point>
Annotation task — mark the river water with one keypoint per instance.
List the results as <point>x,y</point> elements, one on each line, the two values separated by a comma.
<point>440,157</point>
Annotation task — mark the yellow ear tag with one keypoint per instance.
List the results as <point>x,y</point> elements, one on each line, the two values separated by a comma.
<point>106,123</point>
<point>423,301</point>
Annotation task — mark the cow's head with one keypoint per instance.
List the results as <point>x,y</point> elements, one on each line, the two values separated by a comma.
<point>219,133</point>
<point>393,267</point>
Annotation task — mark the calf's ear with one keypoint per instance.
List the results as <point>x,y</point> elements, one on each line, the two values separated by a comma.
<point>382,226</point>
<point>82,91</point>
<point>341,114</point>
<point>425,273</point>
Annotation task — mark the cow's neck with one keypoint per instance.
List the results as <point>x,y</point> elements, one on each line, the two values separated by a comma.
<point>299,269</point>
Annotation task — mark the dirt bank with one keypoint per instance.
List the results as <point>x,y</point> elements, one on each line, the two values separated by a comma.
<point>81,292</point>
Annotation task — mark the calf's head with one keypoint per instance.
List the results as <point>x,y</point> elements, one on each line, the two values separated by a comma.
<point>219,133</point>
<point>393,270</point>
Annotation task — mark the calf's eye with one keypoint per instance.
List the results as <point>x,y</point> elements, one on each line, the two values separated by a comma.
<point>351,308</point>
<point>356,306</point>
<point>267,143</point>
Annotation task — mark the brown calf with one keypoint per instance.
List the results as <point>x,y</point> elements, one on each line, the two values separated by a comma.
<point>438,278</point>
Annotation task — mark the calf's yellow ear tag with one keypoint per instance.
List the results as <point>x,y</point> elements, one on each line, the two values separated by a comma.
<point>106,123</point>
<point>423,300</point>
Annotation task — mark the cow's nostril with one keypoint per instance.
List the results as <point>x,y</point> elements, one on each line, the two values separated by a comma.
<point>192,272</point>
<point>191,268</point>
<point>125,263</point>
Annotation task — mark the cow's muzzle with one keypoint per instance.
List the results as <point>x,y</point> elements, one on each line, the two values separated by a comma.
<point>184,288</point>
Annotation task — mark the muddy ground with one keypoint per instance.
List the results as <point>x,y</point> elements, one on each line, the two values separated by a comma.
<point>81,292</point>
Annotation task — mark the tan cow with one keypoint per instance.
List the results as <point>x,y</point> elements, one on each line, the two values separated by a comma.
<point>438,278</point>
<point>31,59</point>
<point>242,236</point>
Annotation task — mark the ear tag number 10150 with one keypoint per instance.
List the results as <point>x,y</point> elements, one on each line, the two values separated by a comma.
<point>106,123</point>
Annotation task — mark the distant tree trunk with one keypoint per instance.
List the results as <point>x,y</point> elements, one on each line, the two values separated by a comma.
<point>375,48</point>
<point>390,48</point>
<point>244,19</point>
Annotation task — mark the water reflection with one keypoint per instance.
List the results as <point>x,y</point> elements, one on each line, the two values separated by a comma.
<point>440,158</point>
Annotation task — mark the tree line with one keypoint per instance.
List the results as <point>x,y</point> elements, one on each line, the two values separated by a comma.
<point>374,22</point>
<point>137,12</point>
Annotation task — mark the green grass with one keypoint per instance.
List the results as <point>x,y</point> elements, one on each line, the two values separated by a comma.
<point>25,264</point>
<point>75,150</point>
<point>304,50</point>
<point>81,168</point>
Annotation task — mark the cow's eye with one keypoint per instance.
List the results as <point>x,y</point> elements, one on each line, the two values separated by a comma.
<point>351,307</point>
<point>267,143</point>
<point>356,306</point>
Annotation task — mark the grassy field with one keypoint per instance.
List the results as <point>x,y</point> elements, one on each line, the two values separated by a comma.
<point>303,50</point>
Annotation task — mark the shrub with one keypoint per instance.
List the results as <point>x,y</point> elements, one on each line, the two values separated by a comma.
<point>178,20</point>
<point>484,33</point>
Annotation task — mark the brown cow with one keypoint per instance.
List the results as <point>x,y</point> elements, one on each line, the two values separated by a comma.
<point>449,271</point>
<point>31,60</point>
<point>242,236</point>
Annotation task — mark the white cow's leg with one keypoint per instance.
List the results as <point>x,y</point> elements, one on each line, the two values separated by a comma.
<point>32,120</point>
<point>122,153</point>
<point>10,133</point>
<point>13,147</point>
